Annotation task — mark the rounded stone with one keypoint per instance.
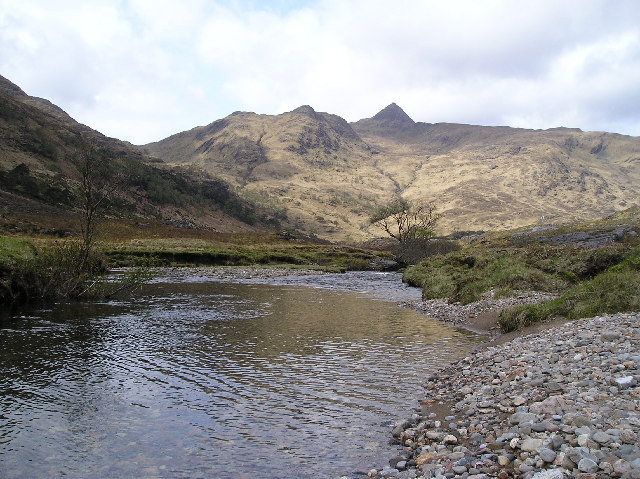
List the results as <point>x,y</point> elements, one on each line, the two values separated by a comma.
<point>583,439</point>
<point>531,444</point>
<point>587,465</point>
<point>627,436</point>
<point>519,401</point>
<point>549,474</point>
<point>450,439</point>
<point>601,437</point>
<point>547,455</point>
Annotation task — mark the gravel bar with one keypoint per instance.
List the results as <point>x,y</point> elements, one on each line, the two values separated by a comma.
<point>561,403</point>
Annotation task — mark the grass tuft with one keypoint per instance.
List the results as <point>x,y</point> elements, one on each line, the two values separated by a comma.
<point>615,290</point>
<point>13,250</point>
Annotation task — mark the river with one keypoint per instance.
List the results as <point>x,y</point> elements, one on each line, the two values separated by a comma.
<point>191,377</point>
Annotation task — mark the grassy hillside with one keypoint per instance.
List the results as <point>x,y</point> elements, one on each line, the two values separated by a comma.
<point>313,172</point>
<point>311,165</point>
<point>501,178</point>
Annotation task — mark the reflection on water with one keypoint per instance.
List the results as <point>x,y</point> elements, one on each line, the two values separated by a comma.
<point>205,379</point>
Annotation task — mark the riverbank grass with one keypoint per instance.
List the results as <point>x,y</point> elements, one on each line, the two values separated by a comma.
<point>588,281</point>
<point>13,250</point>
<point>246,251</point>
<point>61,270</point>
<point>467,275</point>
<point>615,290</point>
<point>43,268</point>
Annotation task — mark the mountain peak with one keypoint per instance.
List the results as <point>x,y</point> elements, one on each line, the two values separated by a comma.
<point>305,109</point>
<point>393,113</point>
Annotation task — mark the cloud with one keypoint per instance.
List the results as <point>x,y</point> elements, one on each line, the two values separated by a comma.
<point>142,69</point>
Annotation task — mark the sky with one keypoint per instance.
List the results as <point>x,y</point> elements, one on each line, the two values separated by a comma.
<point>142,70</point>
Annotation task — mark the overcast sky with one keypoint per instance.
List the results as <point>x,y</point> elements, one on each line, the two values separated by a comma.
<point>141,70</point>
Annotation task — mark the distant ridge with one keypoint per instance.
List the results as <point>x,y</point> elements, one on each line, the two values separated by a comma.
<point>9,88</point>
<point>314,172</point>
<point>305,109</point>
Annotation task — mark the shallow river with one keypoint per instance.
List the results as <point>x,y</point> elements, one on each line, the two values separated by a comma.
<point>193,378</point>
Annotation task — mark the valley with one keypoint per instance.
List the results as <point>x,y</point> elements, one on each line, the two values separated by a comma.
<point>537,225</point>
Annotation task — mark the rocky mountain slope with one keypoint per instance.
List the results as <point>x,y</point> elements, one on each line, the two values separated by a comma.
<point>328,174</point>
<point>312,165</point>
<point>40,154</point>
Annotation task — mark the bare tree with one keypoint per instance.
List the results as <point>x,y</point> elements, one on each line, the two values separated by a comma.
<point>97,185</point>
<point>406,221</point>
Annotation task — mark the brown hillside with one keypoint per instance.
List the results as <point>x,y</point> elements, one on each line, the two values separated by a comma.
<point>39,178</point>
<point>311,164</point>
<point>329,174</point>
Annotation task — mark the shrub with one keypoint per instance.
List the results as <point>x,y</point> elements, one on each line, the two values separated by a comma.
<point>59,272</point>
<point>415,250</point>
<point>64,271</point>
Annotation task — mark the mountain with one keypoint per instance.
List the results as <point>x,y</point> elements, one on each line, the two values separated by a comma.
<point>314,171</point>
<point>41,152</point>
<point>312,166</point>
<point>328,175</point>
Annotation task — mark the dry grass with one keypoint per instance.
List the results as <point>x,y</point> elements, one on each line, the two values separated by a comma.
<point>489,178</point>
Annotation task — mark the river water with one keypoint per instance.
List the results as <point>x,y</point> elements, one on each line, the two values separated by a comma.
<point>193,378</point>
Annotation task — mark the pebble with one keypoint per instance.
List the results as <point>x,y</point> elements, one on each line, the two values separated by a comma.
<point>547,455</point>
<point>549,474</point>
<point>587,465</point>
<point>563,403</point>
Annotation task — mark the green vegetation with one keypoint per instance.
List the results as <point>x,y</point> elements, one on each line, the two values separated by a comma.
<point>46,269</point>
<point>588,280</point>
<point>269,251</point>
<point>466,275</point>
<point>615,290</point>
<point>13,250</point>
<point>60,271</point>
<point>21,180</point>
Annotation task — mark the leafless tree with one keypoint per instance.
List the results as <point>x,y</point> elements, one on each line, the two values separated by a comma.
<point>97,186</point>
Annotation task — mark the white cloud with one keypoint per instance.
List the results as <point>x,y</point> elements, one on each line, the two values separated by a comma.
<point>142,69</point>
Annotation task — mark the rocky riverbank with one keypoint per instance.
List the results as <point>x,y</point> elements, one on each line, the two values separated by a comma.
<point>561,403</point>
<point>479,316</point>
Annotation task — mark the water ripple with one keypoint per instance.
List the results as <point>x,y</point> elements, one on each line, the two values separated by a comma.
<point>201,379</point>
